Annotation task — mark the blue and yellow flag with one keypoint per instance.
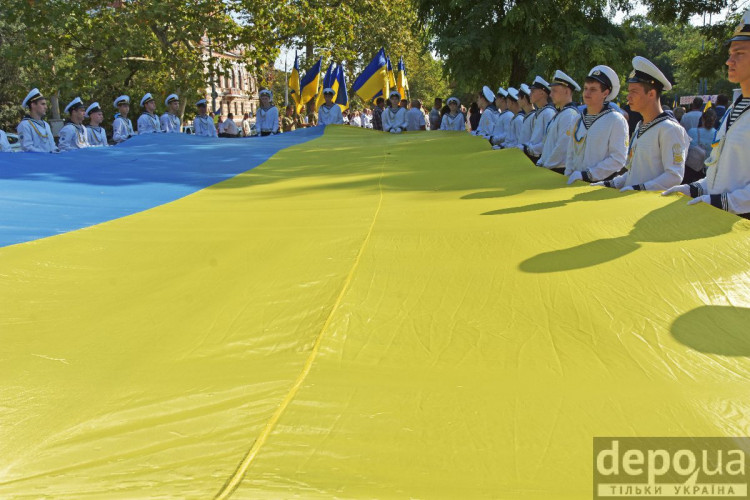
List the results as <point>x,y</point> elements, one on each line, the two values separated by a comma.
<point>294,85</point>
<point>341,98</point>
<point>402,84</point>
<point>373,79</point>
<point>328,79</point>
<point>310,82</point>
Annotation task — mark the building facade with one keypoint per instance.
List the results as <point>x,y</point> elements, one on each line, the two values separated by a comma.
<point>237,91</point>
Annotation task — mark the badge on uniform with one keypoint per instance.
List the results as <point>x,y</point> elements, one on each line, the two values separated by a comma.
<point>677,154</point>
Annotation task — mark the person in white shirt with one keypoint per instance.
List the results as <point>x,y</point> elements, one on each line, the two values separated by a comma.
<point>329,113</point>
<point>394,116</point>
<point>170,121</point>
<point>513,130</point>
<point>35,134</point>
<point>415,117</point>
<point>727,182</point>
<point>122,127</point>
<point>454,119</point>
<point>230,127</point>
<point>693,117</point>
<point>543,115</point>
<point>488,118</point>
<point>203,125</point>
<point>366,118</point>
<point>355,120</point>
<point>246,125</point>
<point>95,133</point>
<point>504,117</point>
<point>148,122</point>
<point>600,136</point>
<point>527,126</point>
<point>267,116</point>
<point>656,157</point>
<point>73,134</point>
<point>4,144</point>
<point>555,148</point>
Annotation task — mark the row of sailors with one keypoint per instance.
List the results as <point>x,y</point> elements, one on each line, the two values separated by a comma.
<point>592,144</point>
<point>35,135</point>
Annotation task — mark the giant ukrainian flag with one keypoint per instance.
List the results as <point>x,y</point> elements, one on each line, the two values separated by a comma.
<point>349,315</point>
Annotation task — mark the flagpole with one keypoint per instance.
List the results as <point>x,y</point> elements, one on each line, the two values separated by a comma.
<point>286,80</point>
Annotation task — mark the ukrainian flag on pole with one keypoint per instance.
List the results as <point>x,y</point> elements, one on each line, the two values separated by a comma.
<point>401,82</point>
<point>371,82</point>
<point>327,82</point>
<point>310,82</point>
<point>341,98</point>
<point>294,85</point>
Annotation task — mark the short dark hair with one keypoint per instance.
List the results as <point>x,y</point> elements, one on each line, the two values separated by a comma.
<point>594,80</point>
<point>648,87</point>
<point>722,100</point>
<point>439,99</point>
<point>380,101</point>
<point>697,103</point>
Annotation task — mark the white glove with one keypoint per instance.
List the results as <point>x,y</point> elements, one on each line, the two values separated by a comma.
<point>682,188</point>
<point>700,199</point>
<point>600,183</point>
<point>575,176</point>
<point>627,188</point>
<point>497,147</point>
<point>398,130</point>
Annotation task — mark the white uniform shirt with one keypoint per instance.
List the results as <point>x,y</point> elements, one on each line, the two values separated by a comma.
<point>148,124</point>
<point>514,130</point>
<point>559,133</point>
<point>170,123</point>
<point>4,144</point>
<point>599,151</point>
<point>330,116</point>
<point>656,157</point>
<point>267,120</point>
<point>97,136</point>
<point>502,127</point>
<point>415,120</point>
<point>455,122</point>
<point>204,126</point>
<point>527,128</point>
<point>35,136</point>
<point>72,137</point>
<point>394,120</point>
<point>122,129</point>
<point>727,178</point>
<point>542,118</point>
<point>487,122</point>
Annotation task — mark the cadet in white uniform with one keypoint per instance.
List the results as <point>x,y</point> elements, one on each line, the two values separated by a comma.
<point>394,116</point>
<point>516,122</point>
<point>727,182</point>
<point>122,127</point>
<point>267,117</point>
<point>4,144</point>
<point>600,136</point>
<point>95,133</point>
<point>545,112</point>
<point>73,134</point>
<point>203,125</point>
<point>658,147</point>
<point>504,117</point>
<point>555,148</point>
<point>170,121</point>
<point>329,113</point>
<point>527,126</point>
<point>453,120</point>
<point>34,133</point>
<point>488,120</point>
<point>148,122</point>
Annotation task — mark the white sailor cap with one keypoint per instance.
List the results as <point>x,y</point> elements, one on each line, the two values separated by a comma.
<point>644,71</point>
<point>74,104</point>
<point>146,98</point>
<point>488,94</point>
<point>32,96</point>
<point>396,93</point>
<point>453,99</point>
<point>561,78</point>
<point>202,102</point>
<point>607,77</point>
<point>513,93</point>
<point>265,92</point>
<point>123,99</point>
<point>501,92</point>
<point>540,83</point>
<point>524,89</point>
<point>742,31</point>
<point>328,90</point>
<point>93,108</point>
<point>170,98</point>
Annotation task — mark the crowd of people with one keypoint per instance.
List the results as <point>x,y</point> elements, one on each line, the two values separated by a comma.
<point>592,142</point>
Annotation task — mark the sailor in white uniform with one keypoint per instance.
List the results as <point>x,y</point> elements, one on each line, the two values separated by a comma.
<point>527,127</point>
<point>600,136</point>
<point>727,182</point>
<point>543,115</point>
<point>394,116</point>
<point>488,120</point>
<point>516,122</point>
<point>95,133</point>
<point>148,122</point>
<point>122,127</point>
<point>454,119</point>
<point>170,121</point>
<point>203,125</point>
<point>73,134</point>
<point>504,117</point>
<point>267,117</point>
<point>555,148</point>
<point>658,147</point>
<point>329,113</point>
<point>34,133</point>
<point>4,144</point>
